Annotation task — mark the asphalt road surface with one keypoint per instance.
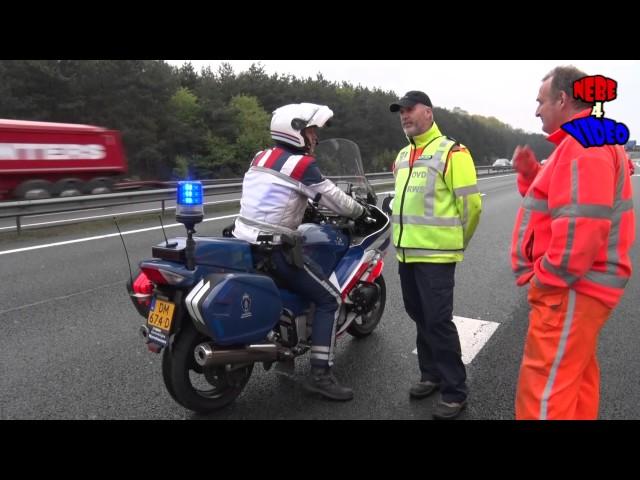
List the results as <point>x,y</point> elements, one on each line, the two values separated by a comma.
<point>70,347</point>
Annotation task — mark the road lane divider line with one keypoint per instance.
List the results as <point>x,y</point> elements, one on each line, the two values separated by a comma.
<point>109,235</point>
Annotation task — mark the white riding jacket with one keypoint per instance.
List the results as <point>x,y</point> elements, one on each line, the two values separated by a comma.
<point>275,190</point>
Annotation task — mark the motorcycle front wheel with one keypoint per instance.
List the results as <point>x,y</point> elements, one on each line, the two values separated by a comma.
<point>365,324</point>
<point>200,389</point>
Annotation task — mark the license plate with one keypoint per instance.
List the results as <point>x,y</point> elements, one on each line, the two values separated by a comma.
<point>161,314</point>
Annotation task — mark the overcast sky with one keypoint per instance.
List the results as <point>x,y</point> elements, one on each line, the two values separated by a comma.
<point>505,89</point>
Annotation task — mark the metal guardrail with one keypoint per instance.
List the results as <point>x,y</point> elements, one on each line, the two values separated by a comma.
<point>23,208</point>
<point>480,170</point>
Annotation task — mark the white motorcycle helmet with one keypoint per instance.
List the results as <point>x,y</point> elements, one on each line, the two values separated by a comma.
<point>288,121</point>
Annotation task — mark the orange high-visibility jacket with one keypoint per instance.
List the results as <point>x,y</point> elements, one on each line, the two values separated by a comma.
<point>576,224</point>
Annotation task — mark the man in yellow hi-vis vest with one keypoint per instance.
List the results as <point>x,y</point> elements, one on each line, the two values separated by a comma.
<point>436,209</point>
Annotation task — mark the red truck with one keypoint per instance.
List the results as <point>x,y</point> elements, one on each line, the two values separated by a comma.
<point>43,159</point>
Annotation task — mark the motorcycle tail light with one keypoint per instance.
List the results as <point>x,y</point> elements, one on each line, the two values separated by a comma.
<point>160,276</point>
<point>154,275</point>
<point>142,285</point>
<point>140,291</point>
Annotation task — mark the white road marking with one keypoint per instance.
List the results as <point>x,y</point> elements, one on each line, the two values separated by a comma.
<point>473,335</point>
<point>100,237</point>
<point>72,220</point>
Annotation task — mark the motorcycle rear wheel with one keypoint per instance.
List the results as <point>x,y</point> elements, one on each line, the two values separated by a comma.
<point>370,321</point>
<point>200,389</point>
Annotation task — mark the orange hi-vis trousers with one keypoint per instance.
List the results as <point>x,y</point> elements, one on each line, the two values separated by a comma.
<point>559,376</point>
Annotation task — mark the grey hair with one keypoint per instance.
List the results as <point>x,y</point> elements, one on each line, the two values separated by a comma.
<point>562,81</point>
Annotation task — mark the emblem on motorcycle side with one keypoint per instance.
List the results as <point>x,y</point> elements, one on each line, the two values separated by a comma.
<point>246,306</point>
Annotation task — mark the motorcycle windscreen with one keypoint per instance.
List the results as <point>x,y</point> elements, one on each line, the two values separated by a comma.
<point>339,160</point>
<point>235,308</point>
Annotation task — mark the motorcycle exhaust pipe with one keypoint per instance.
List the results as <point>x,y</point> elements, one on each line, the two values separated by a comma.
<point>144,333</point>
<point>207,355</point>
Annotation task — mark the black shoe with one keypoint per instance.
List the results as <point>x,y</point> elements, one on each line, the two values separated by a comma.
<point>423,389</point>
<point>448,410</point>
<point>322,381</point>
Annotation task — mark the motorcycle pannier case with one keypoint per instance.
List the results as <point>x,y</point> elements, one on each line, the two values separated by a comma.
<point>234,308</point>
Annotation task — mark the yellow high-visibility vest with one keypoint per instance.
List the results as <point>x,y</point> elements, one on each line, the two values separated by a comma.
<point>436,207</point>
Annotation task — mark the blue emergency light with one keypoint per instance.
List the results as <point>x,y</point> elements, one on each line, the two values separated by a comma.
<point>189,210</point>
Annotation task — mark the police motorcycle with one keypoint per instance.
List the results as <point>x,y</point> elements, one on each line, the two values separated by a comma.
<point>214,311</point>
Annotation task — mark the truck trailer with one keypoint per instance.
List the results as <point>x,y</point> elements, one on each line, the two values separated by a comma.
<point>45,159</point>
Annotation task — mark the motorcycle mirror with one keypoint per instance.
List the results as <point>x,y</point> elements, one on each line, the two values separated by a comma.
<point>189,209</point>
<point>387,205</point>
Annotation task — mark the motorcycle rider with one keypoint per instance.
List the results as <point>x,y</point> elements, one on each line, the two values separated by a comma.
<point>275,190</point>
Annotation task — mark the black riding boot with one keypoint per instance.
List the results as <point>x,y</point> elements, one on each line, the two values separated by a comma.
<point>322,381</point>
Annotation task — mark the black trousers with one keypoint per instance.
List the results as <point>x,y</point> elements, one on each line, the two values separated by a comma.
<point>427,291</point>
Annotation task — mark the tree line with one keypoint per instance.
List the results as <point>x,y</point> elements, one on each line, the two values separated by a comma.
<point>176,122</point>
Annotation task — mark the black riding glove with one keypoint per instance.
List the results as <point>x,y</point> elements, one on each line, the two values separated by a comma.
<point>366,210</point>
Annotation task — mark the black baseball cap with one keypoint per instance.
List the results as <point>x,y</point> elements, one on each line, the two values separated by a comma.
<point>410,99</point>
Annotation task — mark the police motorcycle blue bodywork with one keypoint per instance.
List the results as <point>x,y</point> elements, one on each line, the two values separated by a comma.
<point>214,311</point>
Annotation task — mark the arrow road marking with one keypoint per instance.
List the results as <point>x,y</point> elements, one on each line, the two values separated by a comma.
<point>473,335</point>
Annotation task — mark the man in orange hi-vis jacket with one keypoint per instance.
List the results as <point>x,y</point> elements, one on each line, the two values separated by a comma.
<point>571,244</point>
